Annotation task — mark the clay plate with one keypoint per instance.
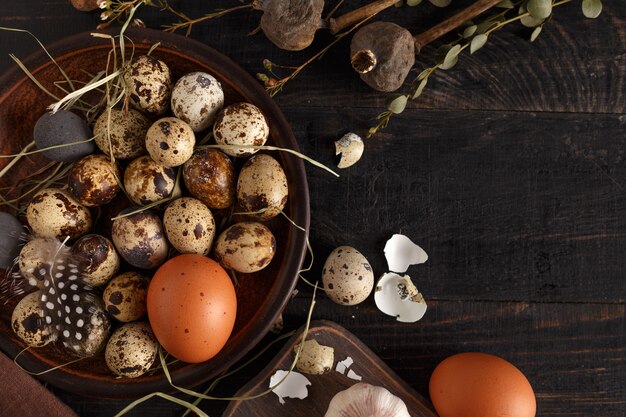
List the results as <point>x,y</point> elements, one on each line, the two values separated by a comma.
<point>261,296</point>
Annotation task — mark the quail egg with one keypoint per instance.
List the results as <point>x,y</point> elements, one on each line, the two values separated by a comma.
<point>125,296</point>
<point>245,247</point>
<point>149,83</point>
<point>94,329</point>
<point>262,185</point>
<point>132,350</point>
<point>147,181</point>
<point>189,226</point>
<point>241,124</point>
<point>63,128</point>
<point>170,141</point>
<point>28,321</point>
<point>210,177</point>
<point>33,258</point>
<point>99,258</point>
<point>121,133</point>
<point>197,98</point>
<point>139,239</point>
<point>54,212</point>
<point>93,180</point>
<point>347,276</point>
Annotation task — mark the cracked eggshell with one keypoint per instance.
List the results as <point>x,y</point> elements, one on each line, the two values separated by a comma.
<point>347,276</point>
<point>245,247</point>
<point>293,385</point>
<point>209,176</point>
<point>149,83</point>
<point>131,350</point>
<point>401,252</point>
<point>262,184</point>
<point>397,296</point>
<point>125,297</point>
<point>93,180</point>
<point>170,141</point>
<point>314,359</point>
<point>189,226</point>
<point>126,133</point>
<point>54,212</point>
<point>28,321</point>
<point>241,124</point>
<point>139,239</point>
<point>197,98</point>
<point>351,147</point>
<point>97,254</point>
<point>147,181</point>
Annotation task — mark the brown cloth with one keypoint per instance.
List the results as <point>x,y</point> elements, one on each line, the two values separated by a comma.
<point>24,396</point>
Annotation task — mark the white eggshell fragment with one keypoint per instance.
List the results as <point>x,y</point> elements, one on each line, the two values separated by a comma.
<point>197,98</point>
<point>287,384</point>
<point>125,297</point>
<point>28,321</point>
<point>121,133</point>
<point>54,212</point>
<point>189,225</point>
<point>147,181</point>
<point>343,365</point>
<point>351,147</point>
<point>401,252</point>
<point>347,276</point>
<point>149,83</point>
<point>99,259</point>
<point>314,359</point>
<point>140,240</point>
<point>245,247</point>
<point>241,124</point>
<point>170,141</point>
<point>397,296</point>
<point>10,239</point>
<point>132,350</point>
<point>262,186</point>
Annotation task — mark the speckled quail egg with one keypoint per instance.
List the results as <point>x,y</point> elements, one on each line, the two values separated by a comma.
<point>125,296</point>
<point>28,321</point>
<point>54,212</point>
<point>33,259</point>
<point>98,257</point>
<point>210,177</point>
<point>147,181</point>
<point>189,226</point>
<point>126,133</point>
<point>63,128</point>
<point>245,247</point>
<point>241,124</point>
<point>139,239</point>
<point>149,83</point>
<point>197,98</point>
<point>347,276</point>
<point>132,350</point>
<point>262,185</point>
<point>93,180</point>
<point>94,330</point>
<point>170,141</point>
<point>10,239</point>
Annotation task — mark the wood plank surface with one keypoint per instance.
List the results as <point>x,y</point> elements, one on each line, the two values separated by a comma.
<point>509,170</point>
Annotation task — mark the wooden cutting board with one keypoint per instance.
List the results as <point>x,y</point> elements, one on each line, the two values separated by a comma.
<point>324,387</point>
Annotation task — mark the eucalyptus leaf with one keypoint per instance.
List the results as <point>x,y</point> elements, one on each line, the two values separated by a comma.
<point>592,8</point>
<point>420,88</point>
<point>447,56</point>
<point>539,9</point>
<point>441,3</point>
<point>397,103</point>
<point>477,42</point>
<point>505,4</point>
<point>535,33</point>
<point>528,20</point>
<point>484,27</point>
<point>469,31</point>
<point>412,3</point>
<point>423,74</point>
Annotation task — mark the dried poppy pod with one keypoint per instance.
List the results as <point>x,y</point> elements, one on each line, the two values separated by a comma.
<point>290,24</point>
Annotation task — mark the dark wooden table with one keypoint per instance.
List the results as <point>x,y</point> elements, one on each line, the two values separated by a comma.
<point>510,171</point>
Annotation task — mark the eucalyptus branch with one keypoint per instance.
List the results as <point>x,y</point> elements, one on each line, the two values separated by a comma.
<point>531,13</point>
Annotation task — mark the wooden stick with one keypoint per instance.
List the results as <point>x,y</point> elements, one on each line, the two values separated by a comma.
<point>345,20</point>
<point>453,22</point>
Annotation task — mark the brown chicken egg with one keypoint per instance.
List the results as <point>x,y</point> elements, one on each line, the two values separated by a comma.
<point>149,83</point>
<point>54,212</point>
<point>210,177</point>
<point>245,247</point>
<point>147,181</point>
<point>121,133</point>
<point>170,141</point>
<point>93,180</point>
<point>99,259</point>
<point>139,239</point>
<point>125,296</point>
<point>241,124</point>
<point>189,226</point>
<point>262,185</point>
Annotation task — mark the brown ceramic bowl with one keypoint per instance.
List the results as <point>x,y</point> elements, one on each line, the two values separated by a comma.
<point>261,296</point>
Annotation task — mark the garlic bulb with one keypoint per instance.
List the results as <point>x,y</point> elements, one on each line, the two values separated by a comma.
<point>365,400</point>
